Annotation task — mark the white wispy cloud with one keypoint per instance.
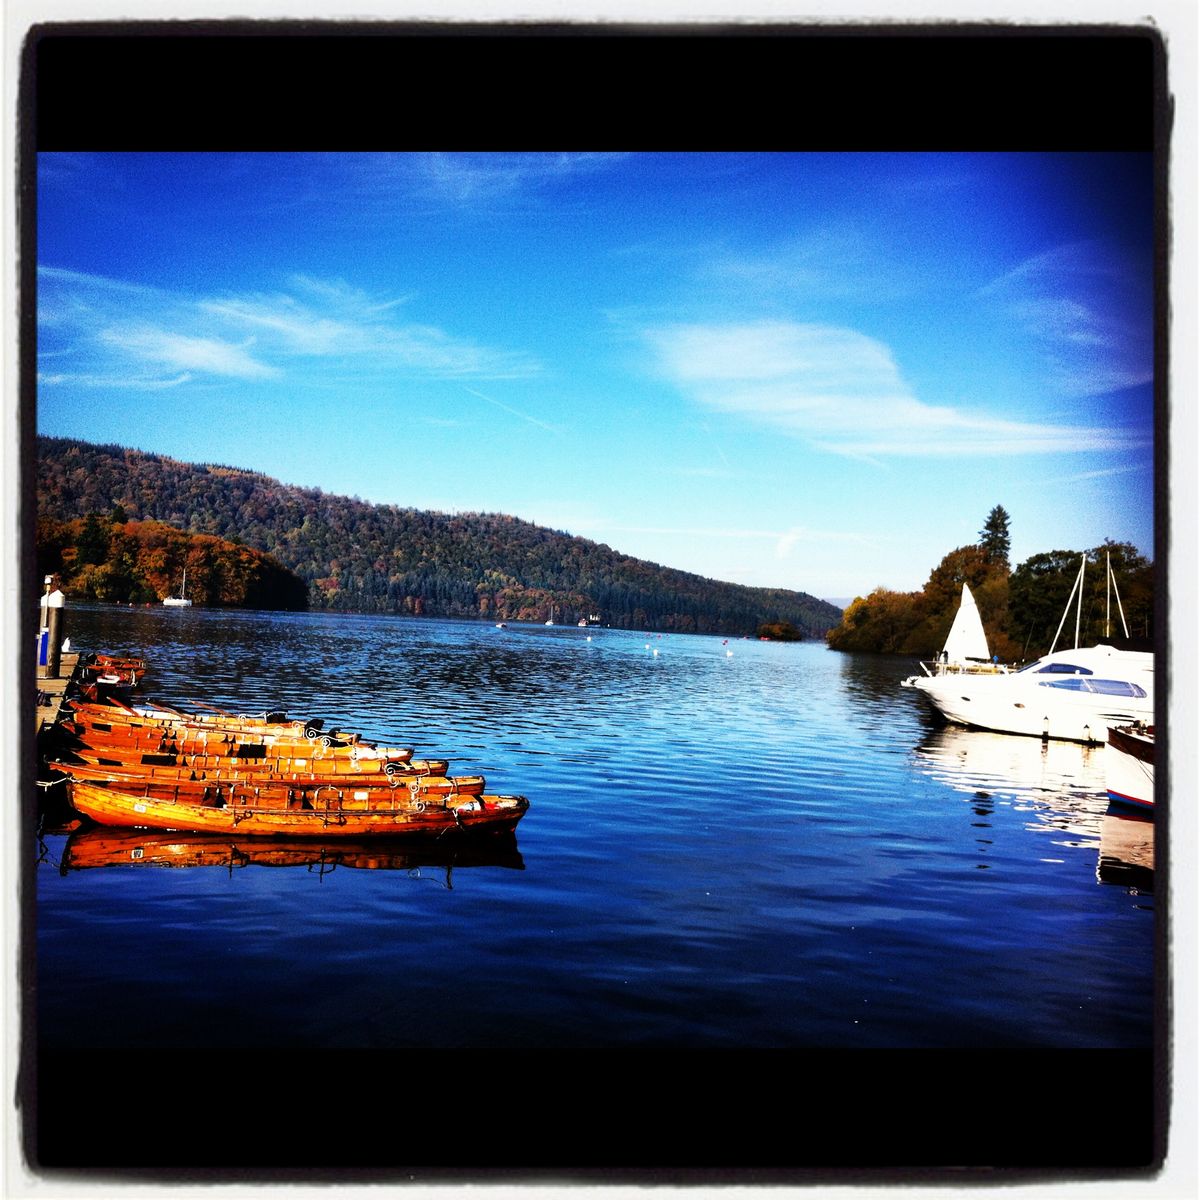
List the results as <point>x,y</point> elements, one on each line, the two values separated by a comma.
<point>1088,308</point>
<point>174,351</point>
<point>844,392</point>
<point>124,382</point>
<point>833,262</point>
<point>110,328</point>
<point>464,179</point>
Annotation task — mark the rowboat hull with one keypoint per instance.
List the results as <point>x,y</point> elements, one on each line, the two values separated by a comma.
<point>120,718</point>
<point>302,790</point>
<point>189,740</point>
<point>223,770</point>
<point>137,763</point>
<point>1129,767</point>
<point>459,815</point>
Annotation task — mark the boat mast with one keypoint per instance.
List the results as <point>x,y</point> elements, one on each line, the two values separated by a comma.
<point>1112,581</point>
<point>1107,595</point>
<point>1078,611</point>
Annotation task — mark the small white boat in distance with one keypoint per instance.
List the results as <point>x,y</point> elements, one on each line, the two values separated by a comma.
<point>1129,765</point>
<point>180,601</point>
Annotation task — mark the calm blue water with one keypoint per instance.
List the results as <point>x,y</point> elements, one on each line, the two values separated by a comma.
<point>728,845</point>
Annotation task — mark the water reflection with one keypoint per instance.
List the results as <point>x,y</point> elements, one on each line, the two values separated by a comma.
<point>1059,786</point>
<point>90,848</point>
<point>1127,850</point>
<point>982,763</point>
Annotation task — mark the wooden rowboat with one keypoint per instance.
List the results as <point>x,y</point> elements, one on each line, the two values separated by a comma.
<point>287,770</point>
<point>121,715</point>
<point>132,746</point>
<point>332,818</point>
<point>114,716</point>
<point>280,764</point>
<point>378,791</point>
<point>112,669</point>
<point>88,728</point>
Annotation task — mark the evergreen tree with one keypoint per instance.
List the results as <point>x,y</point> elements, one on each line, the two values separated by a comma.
<point>993,537</point>
<point>93,541</point>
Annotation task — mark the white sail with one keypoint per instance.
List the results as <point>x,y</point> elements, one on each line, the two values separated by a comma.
<point>966,640</point>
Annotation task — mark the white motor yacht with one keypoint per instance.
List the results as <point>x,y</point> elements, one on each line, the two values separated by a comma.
<point>1073,694</point>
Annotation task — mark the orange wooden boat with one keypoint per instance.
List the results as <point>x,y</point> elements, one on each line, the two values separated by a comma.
<point>124,716</point>
<point>170,767</point>
<point>334,815</point>
<point>378,790</point>
<point>112,669</point>
<point>247,759</point>
<point>114,717</point>
<point>120,733</point>
<point>133,744</point>
<point>99,846</point>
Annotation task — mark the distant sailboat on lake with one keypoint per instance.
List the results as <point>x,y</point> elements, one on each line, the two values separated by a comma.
<point>180,601</point>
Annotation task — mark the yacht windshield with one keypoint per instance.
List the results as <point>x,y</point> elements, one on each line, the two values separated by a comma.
<point>1105,687</point>
<point>1055,668</point>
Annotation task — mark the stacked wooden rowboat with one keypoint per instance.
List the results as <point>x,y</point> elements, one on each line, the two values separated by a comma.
<point>154,767</point>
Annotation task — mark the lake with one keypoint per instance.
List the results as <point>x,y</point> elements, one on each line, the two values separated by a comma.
<point>731,845</point>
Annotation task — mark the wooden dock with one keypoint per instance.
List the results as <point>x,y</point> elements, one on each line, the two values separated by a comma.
<point>56,689</point>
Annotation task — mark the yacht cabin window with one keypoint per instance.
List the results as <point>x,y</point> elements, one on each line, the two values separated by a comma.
<point>1057,668</point>
<point>1106,687</point>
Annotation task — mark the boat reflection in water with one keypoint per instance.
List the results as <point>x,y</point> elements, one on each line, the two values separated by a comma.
<point>1064,777</point>
<point>100,847</point>
<point>1127,849</point>
<point>1058,785</point>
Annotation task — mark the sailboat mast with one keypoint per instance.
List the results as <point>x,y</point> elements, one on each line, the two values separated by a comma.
<point>1108,579</point>
<point>1079,606</point>
<point>1120,607</point>
<point>1078,584</point>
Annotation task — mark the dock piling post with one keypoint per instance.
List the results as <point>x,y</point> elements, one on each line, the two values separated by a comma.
<point>50,649</point>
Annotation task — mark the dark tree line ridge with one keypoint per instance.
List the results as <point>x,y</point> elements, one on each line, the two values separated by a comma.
<point>359,557</point>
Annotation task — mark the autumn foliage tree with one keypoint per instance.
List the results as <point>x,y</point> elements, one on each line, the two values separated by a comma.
<point>141,562</point>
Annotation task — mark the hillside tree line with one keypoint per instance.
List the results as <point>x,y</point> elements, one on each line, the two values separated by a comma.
<point>360,557</point>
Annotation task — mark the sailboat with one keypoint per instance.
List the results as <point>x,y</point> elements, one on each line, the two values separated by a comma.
<point>551,621</point>
<point>180,601</point>
<point>966,647</point>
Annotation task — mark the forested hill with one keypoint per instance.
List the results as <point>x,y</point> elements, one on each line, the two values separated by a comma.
<point>362,557</point>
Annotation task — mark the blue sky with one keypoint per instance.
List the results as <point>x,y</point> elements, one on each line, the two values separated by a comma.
<point>813,371</point>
